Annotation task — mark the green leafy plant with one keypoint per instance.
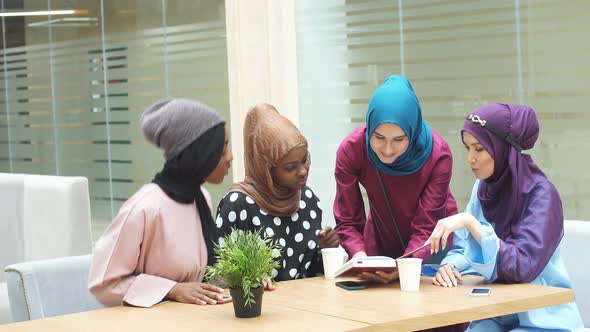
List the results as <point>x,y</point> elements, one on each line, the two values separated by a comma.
<point>244,260</point>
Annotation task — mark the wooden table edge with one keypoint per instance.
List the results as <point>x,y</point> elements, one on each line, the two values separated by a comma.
<point>444,319</point>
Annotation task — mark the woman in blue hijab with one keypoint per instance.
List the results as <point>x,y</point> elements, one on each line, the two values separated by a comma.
<point>404,166</point>
<point>396,93</point>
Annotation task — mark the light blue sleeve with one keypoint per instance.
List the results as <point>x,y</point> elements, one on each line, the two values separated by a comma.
<point>467,255</point>
<point>482,257</point>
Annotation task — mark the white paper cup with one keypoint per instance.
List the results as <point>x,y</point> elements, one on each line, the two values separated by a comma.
<point>333,259</point>
<point>409,273</point>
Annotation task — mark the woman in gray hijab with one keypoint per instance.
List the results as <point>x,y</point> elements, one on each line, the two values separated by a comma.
<point>159,244</point>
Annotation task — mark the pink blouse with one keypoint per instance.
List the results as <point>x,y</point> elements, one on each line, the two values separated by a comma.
<point>153,243</point>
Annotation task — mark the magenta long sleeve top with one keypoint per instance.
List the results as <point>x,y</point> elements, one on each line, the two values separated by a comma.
<point>418,200</point>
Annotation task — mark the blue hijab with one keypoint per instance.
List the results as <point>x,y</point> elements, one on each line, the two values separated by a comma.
<point>395,102</point>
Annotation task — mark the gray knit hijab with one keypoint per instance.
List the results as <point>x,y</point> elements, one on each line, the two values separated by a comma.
<point>173,124</point>
<point>192,136</point>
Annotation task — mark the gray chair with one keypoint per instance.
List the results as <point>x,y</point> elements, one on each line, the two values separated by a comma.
<point>573,251</point>
<point>51,287</point>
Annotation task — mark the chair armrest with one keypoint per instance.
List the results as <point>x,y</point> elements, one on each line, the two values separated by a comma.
<point>19,307</point>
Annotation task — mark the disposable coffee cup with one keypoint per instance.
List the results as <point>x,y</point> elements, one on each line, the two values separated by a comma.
<point>333,259</point>
<point>409,273</point>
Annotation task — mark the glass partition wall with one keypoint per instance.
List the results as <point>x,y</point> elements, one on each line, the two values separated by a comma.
<point>458,55</point>
<point>76,78</point>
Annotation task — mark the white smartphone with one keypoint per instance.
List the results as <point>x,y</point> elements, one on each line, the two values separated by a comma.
<point>481,291</point>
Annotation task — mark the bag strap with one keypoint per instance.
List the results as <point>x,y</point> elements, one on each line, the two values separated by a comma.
<point>399,234</point>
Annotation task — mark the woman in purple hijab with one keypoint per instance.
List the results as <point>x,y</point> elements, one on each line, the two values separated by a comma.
<point>511,228</point>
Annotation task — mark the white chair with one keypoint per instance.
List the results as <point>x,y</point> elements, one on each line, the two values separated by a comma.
<point>4,305</point>
<point>573,248</point>
<point>47,288</point>
<point>41,217</point>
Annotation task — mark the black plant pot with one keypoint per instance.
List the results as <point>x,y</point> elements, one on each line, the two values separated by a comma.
<point>241,309</point>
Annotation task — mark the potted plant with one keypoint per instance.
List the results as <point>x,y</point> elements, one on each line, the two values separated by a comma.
<point>244,260</point>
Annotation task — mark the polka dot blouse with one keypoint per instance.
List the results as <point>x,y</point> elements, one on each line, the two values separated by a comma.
<point>297,234</point>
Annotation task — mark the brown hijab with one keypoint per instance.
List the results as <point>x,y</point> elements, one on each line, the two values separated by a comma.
<point>268,138</point>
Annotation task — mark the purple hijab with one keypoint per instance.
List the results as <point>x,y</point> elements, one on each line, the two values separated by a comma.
<point>505,195</point>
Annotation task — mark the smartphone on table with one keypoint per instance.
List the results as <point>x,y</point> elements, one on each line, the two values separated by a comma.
<point>480,291</point>
<point>351,285</point>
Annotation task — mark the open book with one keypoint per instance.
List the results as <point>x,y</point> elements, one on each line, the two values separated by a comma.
<point>366,264</point>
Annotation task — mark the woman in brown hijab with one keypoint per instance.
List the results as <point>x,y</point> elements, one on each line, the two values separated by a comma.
<point>274,196</point>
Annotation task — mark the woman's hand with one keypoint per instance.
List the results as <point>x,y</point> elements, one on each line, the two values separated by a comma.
<point>380,276</point>
<point>446,227</point>
<point>329,238</point>
<point>447,276</point>
<point>195,292</point>
<point>268,285</point>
